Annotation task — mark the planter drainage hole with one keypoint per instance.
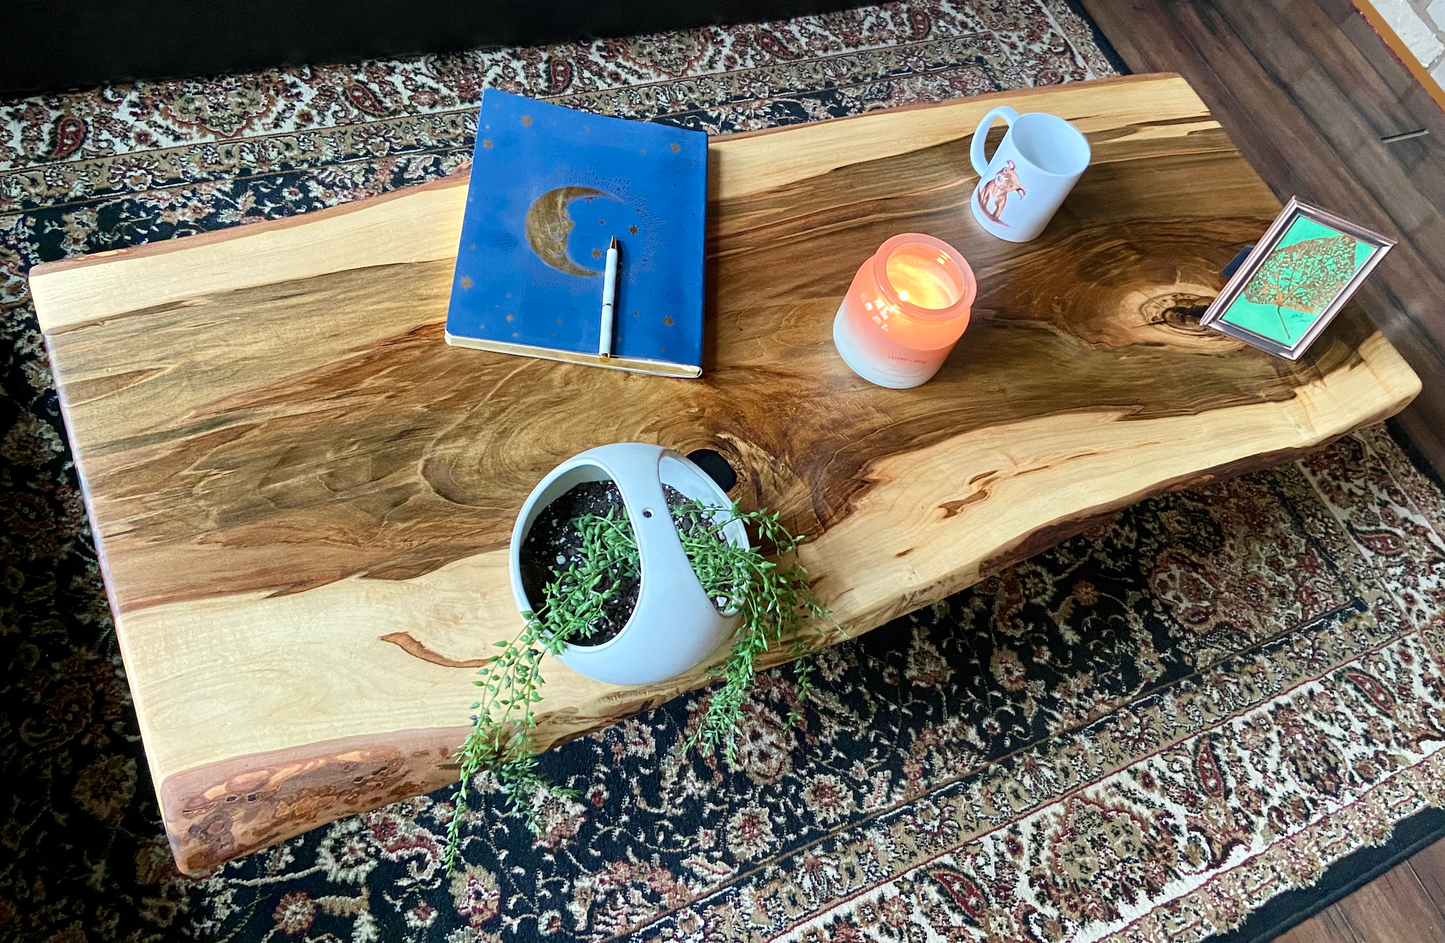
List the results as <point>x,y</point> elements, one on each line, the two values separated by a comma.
<point>647,512</point>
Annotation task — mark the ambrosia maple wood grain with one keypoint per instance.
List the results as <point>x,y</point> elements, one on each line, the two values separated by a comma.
<point>303,496</point>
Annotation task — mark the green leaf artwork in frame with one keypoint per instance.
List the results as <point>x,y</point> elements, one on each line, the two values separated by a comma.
<point>1297,281</point>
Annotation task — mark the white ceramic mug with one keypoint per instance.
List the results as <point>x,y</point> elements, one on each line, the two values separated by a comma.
<point>1034,168</point>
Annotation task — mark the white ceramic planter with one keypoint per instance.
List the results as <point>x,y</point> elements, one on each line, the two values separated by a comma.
<point>674,626</point>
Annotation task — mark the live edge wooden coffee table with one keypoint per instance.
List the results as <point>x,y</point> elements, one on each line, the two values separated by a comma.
<point>303,497</point>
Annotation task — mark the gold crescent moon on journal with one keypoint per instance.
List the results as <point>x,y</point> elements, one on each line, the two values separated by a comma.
<point>548,226</point>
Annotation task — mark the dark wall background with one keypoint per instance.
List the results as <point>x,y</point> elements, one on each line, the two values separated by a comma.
<point>46,45</point>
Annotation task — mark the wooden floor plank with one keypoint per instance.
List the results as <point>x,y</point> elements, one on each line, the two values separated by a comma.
<point>1429,867</point>
<point>1314,41</point>
<point>1307,89</point>
<point>1394,908</point>
<point>1327,926</point>
<point>1410,94</point>
<point>1328,82</point>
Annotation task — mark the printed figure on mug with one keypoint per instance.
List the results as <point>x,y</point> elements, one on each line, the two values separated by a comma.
<point>993,196</point>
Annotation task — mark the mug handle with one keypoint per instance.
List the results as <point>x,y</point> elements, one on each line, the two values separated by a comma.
<point>975,151</point>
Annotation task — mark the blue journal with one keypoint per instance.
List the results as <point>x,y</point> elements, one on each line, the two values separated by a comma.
<point>550,187</point>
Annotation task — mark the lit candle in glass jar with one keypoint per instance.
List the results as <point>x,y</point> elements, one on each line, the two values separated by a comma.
<point>908,305</point>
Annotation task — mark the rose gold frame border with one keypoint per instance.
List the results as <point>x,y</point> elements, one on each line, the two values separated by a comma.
<point>1293,210</point>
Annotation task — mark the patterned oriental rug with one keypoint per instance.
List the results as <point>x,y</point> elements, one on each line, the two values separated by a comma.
<point>1169,727</point>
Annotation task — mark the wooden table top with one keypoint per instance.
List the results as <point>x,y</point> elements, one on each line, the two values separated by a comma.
<point>303,497</point>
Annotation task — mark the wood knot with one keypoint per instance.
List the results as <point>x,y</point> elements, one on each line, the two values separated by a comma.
<point>1177,310</point>
<point>1169,316</point>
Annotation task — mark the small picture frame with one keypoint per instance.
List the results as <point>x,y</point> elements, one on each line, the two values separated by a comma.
<point>1295,280</point>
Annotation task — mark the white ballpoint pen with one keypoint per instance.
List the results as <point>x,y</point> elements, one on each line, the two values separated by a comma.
<point>609,295</point>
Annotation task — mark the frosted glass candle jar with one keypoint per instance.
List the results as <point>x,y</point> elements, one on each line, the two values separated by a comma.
<point>908,305</point>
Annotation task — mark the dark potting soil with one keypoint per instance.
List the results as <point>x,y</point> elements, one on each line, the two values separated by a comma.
<point>552,545</point>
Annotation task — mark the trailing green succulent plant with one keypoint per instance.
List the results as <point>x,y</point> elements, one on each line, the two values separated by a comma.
<point>774,602</point>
